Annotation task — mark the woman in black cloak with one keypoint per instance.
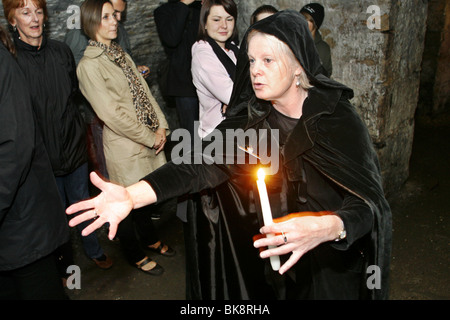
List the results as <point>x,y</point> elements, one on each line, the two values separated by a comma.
<point>332,220</point>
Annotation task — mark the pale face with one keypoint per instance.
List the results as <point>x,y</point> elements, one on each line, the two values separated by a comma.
<point>219,25</point>
<point>119,6</point>
<point>311,25</point>
<point>107,30</point>
<point>29,21</point>
<point>263,15</point>
<point>272,77</point>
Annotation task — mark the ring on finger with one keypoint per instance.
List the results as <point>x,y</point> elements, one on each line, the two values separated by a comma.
<point>284,237</point>
<point>95,214</point>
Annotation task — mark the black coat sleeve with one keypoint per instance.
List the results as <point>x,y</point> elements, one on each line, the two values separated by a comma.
<point>16,132</point>
<point>174,180</point>
<point>358,220</point>
<point>203,168</point>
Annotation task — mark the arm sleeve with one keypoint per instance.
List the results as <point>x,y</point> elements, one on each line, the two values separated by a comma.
<point>358,220</point>
<point>349,159</point>
<point>17,133</point>
<point>210,73</point>
<point>174,180</point>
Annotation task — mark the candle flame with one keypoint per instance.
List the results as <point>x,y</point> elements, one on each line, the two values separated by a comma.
<point>261,174</point>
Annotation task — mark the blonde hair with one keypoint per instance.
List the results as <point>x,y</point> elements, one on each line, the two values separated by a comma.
<point>286,54</point>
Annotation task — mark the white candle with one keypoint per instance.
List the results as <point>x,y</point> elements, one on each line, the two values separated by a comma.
<point>267,213</point>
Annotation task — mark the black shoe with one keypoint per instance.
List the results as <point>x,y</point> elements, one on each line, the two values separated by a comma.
<point>155,271</point>
<point>168,253</point>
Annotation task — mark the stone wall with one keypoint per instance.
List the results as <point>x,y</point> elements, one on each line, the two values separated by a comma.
<point>434,96</point>
<point>442,84</point>
<point>400,87</point>
<point>376,50</point>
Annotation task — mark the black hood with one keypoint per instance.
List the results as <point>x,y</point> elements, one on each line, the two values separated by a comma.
<point>290,27</point>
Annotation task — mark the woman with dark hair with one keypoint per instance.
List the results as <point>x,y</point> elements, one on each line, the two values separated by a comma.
<point>32,223</point>
<point>331,218</point>
<point>135,128</point>
<point>214,61</point>
<point>49,68</point>
<point>262,12</point>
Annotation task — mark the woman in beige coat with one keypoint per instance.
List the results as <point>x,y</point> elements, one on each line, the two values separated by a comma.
<point>135,128</point>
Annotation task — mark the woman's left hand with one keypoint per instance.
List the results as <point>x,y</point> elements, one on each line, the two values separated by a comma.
<point>160,139</point>
<point>297,234</point>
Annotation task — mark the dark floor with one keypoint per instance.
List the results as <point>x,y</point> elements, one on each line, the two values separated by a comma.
<point>124,282</point>
<point>420,260</point>
<point>421,212</point>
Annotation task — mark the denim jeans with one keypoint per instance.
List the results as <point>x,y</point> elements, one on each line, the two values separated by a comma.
<point>73,188</point>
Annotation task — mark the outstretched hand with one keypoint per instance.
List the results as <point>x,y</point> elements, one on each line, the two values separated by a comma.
<point>112,205</point>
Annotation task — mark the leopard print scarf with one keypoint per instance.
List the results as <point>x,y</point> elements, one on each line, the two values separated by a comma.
<point>144,109</point>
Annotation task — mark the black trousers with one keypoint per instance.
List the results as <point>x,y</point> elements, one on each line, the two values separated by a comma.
<point>39,280</point>
<point>135,231</point>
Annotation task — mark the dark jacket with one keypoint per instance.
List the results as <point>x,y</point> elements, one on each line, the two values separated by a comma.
<point>177,26</point>
<point>32,219</point>
<point>50,72</point>
<point>324,51</point>
<point>329,147</point>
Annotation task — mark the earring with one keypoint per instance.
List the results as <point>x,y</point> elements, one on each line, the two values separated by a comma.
<point>298,83</point>
<point>14,28</point>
